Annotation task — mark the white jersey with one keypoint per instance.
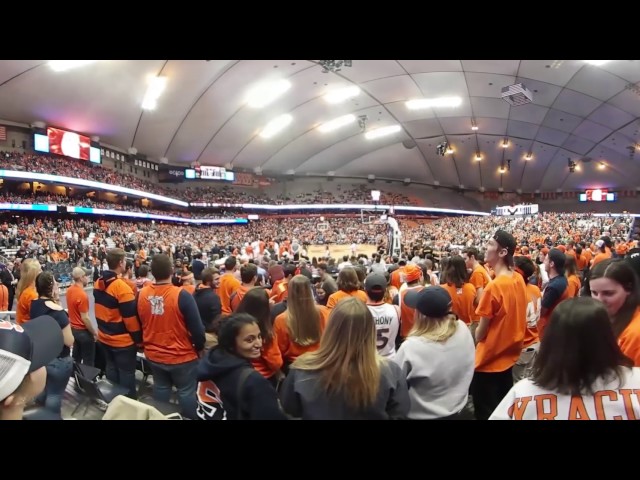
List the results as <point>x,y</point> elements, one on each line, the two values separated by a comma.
<point>387,319</point>
<point>612,400</point>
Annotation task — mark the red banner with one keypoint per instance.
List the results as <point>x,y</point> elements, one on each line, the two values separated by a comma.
<point>251,180</point>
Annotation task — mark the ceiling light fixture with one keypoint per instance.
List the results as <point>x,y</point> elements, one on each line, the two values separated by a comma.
<point>602,166</point>
<point>266,93</point>
<point>528,156</point>
<point>334,65</point>
<point>597,63</point>
<point>64,65</point>
<point>478,157</point>
<point>449,150</point>
<point>154,90</point>
<point>382,132</point>
<point>505,144</point>
<point>421,103</point>
<point>275,125</point>
<point>342,94</point>
<point>337,123</point>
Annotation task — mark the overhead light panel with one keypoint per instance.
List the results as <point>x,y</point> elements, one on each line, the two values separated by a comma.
<point>505,144</point>
<point>64,65</point>
<point>382,132</point>
<point>154,90</point>
<point>597,63</point>
<point>528,156</point>
<point>342,94</point>
<point>266,93</point>
<point>275,125</point>
<point>478,157</point>
<point>421,103</point>
<point>337,123</point>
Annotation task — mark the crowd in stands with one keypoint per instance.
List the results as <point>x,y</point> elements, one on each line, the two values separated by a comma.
<point>492,331</point>
<point>212,194</point>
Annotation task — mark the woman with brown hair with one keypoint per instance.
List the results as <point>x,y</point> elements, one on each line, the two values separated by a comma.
<point>346,379</point>
<point>26,289</point>
<point>579,374</point>
<point>348,286</point>
<point>299,328</point>
<point>571,272</point>
<point>59,370</point>
<point>615,284</point>
<point>462,293</point>
<point>256,303</point>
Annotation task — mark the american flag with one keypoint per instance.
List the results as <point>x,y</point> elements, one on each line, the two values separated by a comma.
<point>3,133</point>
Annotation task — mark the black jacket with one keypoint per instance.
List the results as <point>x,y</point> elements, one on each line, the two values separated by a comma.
<point>259,398</point>
<point>209,306</point>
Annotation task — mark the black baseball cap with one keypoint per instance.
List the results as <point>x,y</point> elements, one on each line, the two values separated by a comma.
<point>505,240</point>
<point>633,258</point>
<point>375,282</point>
<point>431,301</point>
<point>26,348</point>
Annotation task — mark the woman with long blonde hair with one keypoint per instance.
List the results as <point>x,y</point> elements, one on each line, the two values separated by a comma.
<point>26,289</point>
<point>437,358</point>
<point>346,379</point>
<point>298,329</point>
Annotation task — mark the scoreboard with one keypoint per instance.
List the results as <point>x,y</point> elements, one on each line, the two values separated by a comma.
<point>522,209</point>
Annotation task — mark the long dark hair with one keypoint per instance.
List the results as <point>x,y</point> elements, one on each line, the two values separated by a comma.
<point>44,284</point>
<point>456,272</point>
<point>230,328</point>
<point>578,348</point>
<point>256,303</point>
<point>621,272</point>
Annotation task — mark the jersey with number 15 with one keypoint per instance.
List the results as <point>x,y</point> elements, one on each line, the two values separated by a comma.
<point>387,320</point>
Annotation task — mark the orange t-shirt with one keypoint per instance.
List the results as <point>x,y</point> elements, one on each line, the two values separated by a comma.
<point>4,298</point>
<point>288,348</point>
<point>191,289</point>
<point>395,280</point>
<point>77,303</point>
<point>228,285</point>
<point>23,311</point>
<point>582,261</point>
<point>479,278</point>
<point>629,339</point>
<point>462,300</point>
<point>533,315</point>
<point>573,286</point>
<point>504,303</point>
<point>270,360</point>
<point>407,314</point>
<point>600,257</point>
<point>334,298</point>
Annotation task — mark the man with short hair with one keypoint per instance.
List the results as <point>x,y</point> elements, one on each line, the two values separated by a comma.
<point>173,336</point>
<point>501,331</point>
<point>228,284</point>
<point>208,303</point>
<point>84,333</point>
<point>557,289</point>
<point>248,276</point>
<point>386,316</point>
<point>118,327</point>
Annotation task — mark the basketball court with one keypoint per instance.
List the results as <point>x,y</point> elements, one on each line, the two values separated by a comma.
<point>337,251</point>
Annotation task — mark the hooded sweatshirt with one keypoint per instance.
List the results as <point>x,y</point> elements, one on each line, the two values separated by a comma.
<point>209,305</point>
<point>221,371</point>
